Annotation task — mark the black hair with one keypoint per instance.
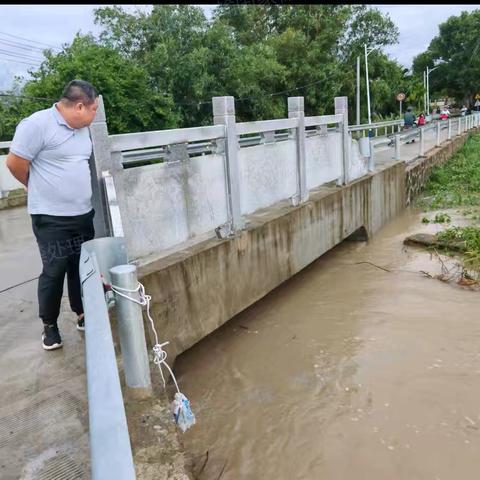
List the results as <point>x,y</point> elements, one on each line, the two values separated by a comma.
<point>79,91</point>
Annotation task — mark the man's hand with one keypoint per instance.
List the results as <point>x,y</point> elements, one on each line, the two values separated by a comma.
<point>19,167</point>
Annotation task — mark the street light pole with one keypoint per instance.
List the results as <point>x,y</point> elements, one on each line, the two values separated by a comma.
<point>358,90</point>
<point>428,88</point>
<point>424,92</point>
<point>368,86</point>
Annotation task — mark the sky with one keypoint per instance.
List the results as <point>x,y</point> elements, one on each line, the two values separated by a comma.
<point>56,25</point>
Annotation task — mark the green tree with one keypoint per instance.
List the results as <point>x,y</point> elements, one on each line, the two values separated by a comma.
<point>457,52</point>
<point>132,102</point>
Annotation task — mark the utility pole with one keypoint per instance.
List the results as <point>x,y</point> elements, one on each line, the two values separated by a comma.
<point>424,92</point>
<point>428,88</point>
<point>368,85</point>
<point>358,90</point>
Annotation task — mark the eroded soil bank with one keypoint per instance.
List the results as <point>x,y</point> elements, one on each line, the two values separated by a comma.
<point>347,370</point>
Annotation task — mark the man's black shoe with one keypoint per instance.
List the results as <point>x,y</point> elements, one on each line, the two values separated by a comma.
<point>81,322</point>
<point>51,339</point>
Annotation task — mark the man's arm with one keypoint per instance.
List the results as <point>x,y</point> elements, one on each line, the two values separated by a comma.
<point>19,167</point>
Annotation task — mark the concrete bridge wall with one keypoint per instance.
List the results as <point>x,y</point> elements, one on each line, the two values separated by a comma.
<point>198,289</point>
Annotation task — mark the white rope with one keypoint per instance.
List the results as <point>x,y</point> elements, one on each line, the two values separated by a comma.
<point>160,355</point>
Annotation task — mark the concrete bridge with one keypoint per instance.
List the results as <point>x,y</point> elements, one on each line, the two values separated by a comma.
<point>228,213</point>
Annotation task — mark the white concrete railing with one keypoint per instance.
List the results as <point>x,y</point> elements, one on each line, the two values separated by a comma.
<point>214,176</point>
<point>209,178</point>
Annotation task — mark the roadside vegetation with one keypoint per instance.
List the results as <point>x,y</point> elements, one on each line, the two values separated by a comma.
<point>457,185</point>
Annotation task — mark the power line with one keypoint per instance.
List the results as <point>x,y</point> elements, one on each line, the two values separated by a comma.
<point>193,103</point>
<point>22,46</point>
<point>18,61</point>
<point>20,55</point>
<point>244,99</point>
<point>28,40</point>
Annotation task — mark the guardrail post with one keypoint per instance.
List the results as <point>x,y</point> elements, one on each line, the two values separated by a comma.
<point>422,142</point>
<point>296,109</point>
<point>224,114</point>
<point>449,129</point>
<point>397,147</point>
<point>438,134</point>
<point>341,107</point>
<point>99,162</point>
<point>459,125</point>
<point>131,333</point>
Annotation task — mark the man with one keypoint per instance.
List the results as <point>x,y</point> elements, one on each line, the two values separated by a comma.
<point>49,154</point>
<point>408,121</point>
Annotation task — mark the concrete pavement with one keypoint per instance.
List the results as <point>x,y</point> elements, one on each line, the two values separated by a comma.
<point>409,152</point>
<point>43,400</point>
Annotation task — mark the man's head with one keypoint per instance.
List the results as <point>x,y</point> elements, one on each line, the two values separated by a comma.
<point>79,103</point>
<point>409,109</point>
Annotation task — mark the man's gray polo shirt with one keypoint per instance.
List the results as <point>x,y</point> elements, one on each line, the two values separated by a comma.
<point>59,179</point>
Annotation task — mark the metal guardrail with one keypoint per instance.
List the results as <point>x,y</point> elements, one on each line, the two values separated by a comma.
<point>376,126</point>
<point>455,126</point>
<point>139,157</point>
<point>110,449</point>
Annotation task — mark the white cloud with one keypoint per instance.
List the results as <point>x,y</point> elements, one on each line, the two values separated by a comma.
<point>418,25</point>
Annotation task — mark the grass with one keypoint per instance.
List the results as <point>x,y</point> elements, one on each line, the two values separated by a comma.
<point>470,238</point>
<point>457,183</point>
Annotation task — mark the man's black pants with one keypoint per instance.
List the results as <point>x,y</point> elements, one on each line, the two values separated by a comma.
<point>59,240</point>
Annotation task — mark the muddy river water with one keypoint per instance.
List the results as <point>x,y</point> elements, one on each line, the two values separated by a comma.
<point>346,371</point>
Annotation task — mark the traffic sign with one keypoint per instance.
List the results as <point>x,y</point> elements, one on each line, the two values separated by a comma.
<point>400,97</point>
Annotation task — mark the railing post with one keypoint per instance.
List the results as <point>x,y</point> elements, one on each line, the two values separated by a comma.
<point>438,134</point>
<point>131,333</point>
<point>422,143</point>
<point>99,162</point>
<point>341,107</point>
<point>397,146</point>
<point>449,129</point>
<point>224,114</point>
<point>459,125</point>
<point>371,158</point>
<point>296,109</point>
